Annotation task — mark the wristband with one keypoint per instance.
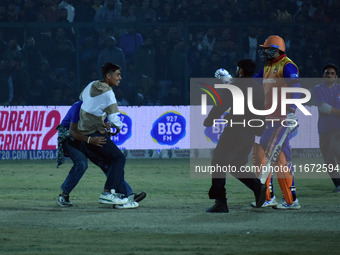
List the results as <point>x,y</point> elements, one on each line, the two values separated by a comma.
<point>88,140</point>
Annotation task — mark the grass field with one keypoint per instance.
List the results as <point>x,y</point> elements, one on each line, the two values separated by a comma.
<point>171,220</point>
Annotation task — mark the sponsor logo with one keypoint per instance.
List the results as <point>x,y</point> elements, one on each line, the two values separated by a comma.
<point>214,132</point>
<point>169,128</point>
<point>126,131</point>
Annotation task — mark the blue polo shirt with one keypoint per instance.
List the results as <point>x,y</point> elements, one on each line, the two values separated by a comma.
<point>323,94</point>
<point>72,116</point>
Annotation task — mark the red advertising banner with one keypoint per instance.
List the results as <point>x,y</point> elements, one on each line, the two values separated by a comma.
<point>29,128</point>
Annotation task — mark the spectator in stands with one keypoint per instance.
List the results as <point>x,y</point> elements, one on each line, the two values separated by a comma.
<point>32,54</point>
<point>167,12</point>
<point>131,83</point>
<point>47,74</point>
<point>62,18</point>
<point>321,14</point>
<point>128,13</point>
<point>216,62</point>
<point>129,42</point>
<point>163,77</point>
<point>121,100</point>
<point>84,12</point>
<point>62,34</point>
<point>202,70</point>
<point>58,97</point>
<point>109,12</point>
<point>156,5</point>
<point>282,14</point>
<point>179,66</point>
<point>39,93</point>
<point>197,41</point>
<point>308,69</point>
<point>29,12</point>
<point>173,35</point>
<point>49,9</point>
<point>153,98</point>
<point>183,11</point>
<point>109,31</point>
<point>174,97</point>
<point>195,10</point>
<point>230,46</point>
<point>111,53</point>
<point>146,56</point>
<point>6,95</point>
<point>302,15</point>
<point>12,13</point>
<point>310,36</point>
<point>145,13</point>
<point>3,43</point>
<point>97,4</point>
<point>64,56</point>
<point>88,55</point>
<point>209,40</point>
<point>20,80</point>
<point>157,34</point>
<point>139,97</point>
<point>251,43</point>
<point>69,94</point>
<point>65,4</point>
<point>14,50</point>
<point>3,17</point>
<point>334,10</point>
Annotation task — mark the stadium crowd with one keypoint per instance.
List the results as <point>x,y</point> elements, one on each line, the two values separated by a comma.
<point>51,49</point>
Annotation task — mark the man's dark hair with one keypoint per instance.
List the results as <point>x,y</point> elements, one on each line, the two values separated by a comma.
<point>248,66</point>
<point>330,66</point>
<point>109,68</point>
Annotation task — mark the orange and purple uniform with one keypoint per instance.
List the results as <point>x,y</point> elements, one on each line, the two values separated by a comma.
<point>279,73</point>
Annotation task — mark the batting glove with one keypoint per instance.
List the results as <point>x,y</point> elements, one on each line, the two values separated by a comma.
<point>292,120</point>
<point>223,75</point>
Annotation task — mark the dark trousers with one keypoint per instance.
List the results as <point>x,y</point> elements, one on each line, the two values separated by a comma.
<point>330,149</point>
<point>74,150</point>
<point>114,160</point>
<point>232,151</point>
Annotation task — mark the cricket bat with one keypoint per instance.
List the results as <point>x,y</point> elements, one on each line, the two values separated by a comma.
<point>266,169</point>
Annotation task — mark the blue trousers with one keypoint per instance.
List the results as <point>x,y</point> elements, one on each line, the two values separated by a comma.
<point>78,156</point>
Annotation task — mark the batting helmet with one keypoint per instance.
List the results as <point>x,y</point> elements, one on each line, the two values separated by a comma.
<point>274,41</point>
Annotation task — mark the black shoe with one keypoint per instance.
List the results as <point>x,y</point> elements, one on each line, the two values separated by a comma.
<point>64,201</point>
<point>260,197</point>
<point>140,196</point>
<point>220,206</point>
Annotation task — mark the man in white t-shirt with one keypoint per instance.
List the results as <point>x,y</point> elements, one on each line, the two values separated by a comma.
<point>99,103</point>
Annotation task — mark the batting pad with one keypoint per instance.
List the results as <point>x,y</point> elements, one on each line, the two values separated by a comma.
<point>259,159</point>
<point>285,178</point>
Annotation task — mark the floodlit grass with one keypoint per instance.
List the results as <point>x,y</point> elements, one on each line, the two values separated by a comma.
<point>171,220</point>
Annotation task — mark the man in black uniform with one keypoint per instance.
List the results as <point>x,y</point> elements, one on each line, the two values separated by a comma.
<point>236,141</point>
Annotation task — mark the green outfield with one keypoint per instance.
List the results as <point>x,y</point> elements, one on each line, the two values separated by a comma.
<point>171,220</point>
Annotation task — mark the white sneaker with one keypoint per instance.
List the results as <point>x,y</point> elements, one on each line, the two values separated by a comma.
<point>284,206</point>
<point>111,198</point>
<point>129,205</point>
<point>268,203</point>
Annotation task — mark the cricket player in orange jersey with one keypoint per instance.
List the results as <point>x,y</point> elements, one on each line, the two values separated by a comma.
<point>279,71</point>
